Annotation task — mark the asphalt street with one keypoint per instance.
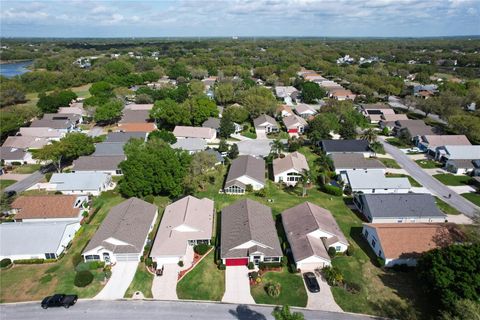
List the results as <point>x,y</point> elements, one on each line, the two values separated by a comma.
<point>432,184</point>
<point>26,183</point>
<point>152,309</point>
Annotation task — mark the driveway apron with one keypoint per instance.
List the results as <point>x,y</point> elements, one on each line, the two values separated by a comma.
<point>122,276</point>
<point>237,286</point>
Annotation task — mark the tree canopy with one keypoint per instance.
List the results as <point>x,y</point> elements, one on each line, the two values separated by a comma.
<point>311,92</point>
<point>52,102</point>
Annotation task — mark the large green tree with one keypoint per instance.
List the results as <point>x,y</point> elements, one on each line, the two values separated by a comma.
<point>109,112</point>
<point>224,93</point>
<point>311,92</point>
<point>52,102</point>
<point>153,168</point>
<point>11,92</point>
<point>171,113</point>
<point>201,108</point>
<point>259,100</point>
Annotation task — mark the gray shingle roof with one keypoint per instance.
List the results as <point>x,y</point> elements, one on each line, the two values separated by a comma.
<point>124,136</point>
<point>109,149</point>
<point>399,205</point>
<point>415,127</point>
<point>190,144</point>
<point>330,146</point>
<point>100,163</point>
<point>133,116</point>
<point>211,122</point>
<point>264,118</point>
<point>247,166</point>
<point>128,222</point>
<point>247,220</point>
<point>8,153</point>
<point>354,161</point>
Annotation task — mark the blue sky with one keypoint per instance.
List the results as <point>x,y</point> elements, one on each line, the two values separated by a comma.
<point>379,18</point>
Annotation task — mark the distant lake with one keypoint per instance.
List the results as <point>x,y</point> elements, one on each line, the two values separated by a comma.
<point>10,70</point>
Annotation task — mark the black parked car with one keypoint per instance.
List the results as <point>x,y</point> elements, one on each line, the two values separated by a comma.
<point>311,282</point>
<point>59,300</point>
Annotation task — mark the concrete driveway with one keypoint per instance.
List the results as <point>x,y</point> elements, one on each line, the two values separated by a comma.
<point>261,134</point>
<point>255,147</point>
<point>164,287</point>
<point>95,132</point>
<point>122,276</point>
<point>322,300</point>
<point>237,286</point>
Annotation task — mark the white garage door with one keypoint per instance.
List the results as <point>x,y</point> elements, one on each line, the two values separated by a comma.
<point>311,266</point>
<point>167,260</point>
<point>127,257</point>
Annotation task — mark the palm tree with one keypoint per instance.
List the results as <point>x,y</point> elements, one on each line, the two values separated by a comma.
<point>305,180</point>
<point>277,146</point>
<point>370,135</point>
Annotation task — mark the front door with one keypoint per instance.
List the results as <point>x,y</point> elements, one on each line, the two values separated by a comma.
<point>256,260</point>
<point>106,257</point>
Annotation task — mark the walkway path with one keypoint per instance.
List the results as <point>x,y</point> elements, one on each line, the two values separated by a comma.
<point>435,186</point>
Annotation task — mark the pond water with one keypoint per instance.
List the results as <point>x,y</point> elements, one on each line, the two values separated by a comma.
<point>10,70</point>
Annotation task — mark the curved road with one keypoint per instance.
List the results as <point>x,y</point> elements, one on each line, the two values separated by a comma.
<point>432,184</point>
<point>152,309</point>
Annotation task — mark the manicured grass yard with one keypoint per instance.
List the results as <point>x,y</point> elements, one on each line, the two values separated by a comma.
<point>413,182</point>
<point>33,282</point>
<point>292,289</point>
<point>6,183</point>
<point>428,164</point>
<point>452,180</point>
<point>204,282</point>
<point>472,197</point>
<point>27,168</point>
<point>390,163</point>
<point>445,207</point>
<point>141,282</point>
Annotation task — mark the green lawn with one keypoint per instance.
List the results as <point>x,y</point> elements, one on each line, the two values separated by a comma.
<point>141,282</point>
<point>472,197</point>
<point>27,168</point>
<point>398,143</point>
<point>445,207</point>
<point>6,183</point>
<point>428,164</point>
<point>33,282</point>
<point>292,289</point>
<point>204,282</point>
<point>390,163</point>
<point>248,134</point>
<point>413,182</point>
<point>452,180</point>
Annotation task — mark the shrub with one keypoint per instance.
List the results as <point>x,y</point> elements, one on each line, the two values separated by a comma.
<point>332,252</point>
<point>273,289</point>
<point>201,248</point>
<point>29,261</point>
<point>261,193</point>
<point>148,262</point>
<point>150,198</point>
<point>253,275</point>
<point>251,266</point>
<point>249,188</point>
<point>350,250</point>
<point>83,278</point>
<point>333,276</point>
<point>284,261</point>
<point>401,267</point>
<point>180,263</point>
<point>380,262</point>
<point>16,163</point>
<point>221,266</point>
<point>48,175</point>
<point>76,259</point>
<point>93,265</point>
<point>334,191</point>
<point>5,263</point>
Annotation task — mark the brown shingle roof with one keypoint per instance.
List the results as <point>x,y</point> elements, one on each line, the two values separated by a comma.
<point>246,165</point>
<point>45,207</point>
<point>133,116</point>
<point>354,161</point>
<point>295,160</point>
<point>443,140</point>
<point>137,127</point>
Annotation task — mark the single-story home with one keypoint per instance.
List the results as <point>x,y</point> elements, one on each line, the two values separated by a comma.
<point>283,92</point>
<point>248,234</point>
<point>245,170</point>
<point>123,234</point>
<point>191,145</point>
<point>311,230</point>
<point>399,208</point>
<point>137,127</point>
<point>42,240</point>
<point>61,122</point>
<point>265,123</point>
<point>305,111</point>
<point>185,223</point>
<point>290,169</point>
<point>102,164</point>
<point>342,94</point>
<point>414,128</point>
<point>346,146</point>
<point>109,149</point>
<point>284,111</point>
<point>52,208</point>
<point>135,116</point>
<point>430,143</point>
<point>393,117</point>
<point>212,122</point>
<point>183,132</point>
<point>360,181</point>
<point>91,183</point>
<point>295,125</point>
<point>463,166</point>
<point>404,243</point>
<point>375,111</point>
<point>219,159</point>
<point>456,152</point>
<point>11,156</point>
<point>25,142</point>
<point>48,133</point>
<point>344,162</point>
<point>125,136</point>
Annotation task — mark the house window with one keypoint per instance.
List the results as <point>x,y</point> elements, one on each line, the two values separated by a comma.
<point>50,256</point>
<point>399,220</point>
<point>366,233</point>
<point>235,190</point>
<point>118,171</point>
<point>92,257</point>
<point>338,248</point>
<point>373,243</point>
<point>271,259</point>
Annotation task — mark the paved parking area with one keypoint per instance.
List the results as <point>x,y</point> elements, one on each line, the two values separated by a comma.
<point>164,287</point>
<point>322,300</point>
<point>237,286</point>
<point>255,147</point>
<point>122,276</point>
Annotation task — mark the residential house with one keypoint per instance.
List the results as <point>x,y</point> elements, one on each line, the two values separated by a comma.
<point>287,93</point>
<point>61,122</point>
<point>137,127</point>
<point>100,164</point>
<point>25,142</point>
<point>266,124</point>
<point>11,156</point>
<point>413,128</point>
<point>245,170</point>
<point>399,208</point>
<point>123,234</point>
<point>404,243</point>
<point>91,183</point>
<point>430,143</point>
<point>47,133</point>
<point>74,108</point>
<point>42,240</point>
<point>344,162</point>
<point>295,125</point>
<point>460,159</point>
<point>391,118</point>
<point>375,111</point>
<point>346,146</point>
<point>312,230</point>
<point>213,123</point>
<point>360,181</point>
<point>51,208</point>
<point>425,91</point>
<point>290,169</point>
<point>248,234</point>
<point>185,223</point>
<point>109,149</point>
<point>305,111</point>
<point>219,159</point>
<point>284,111</point>
<point>125,136</point>
<point>463,166</point>
<point>209,82</point>
<point>191,145</point>
<point>342,94</point>
<point>183,132</point>
<point>135,116</point>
